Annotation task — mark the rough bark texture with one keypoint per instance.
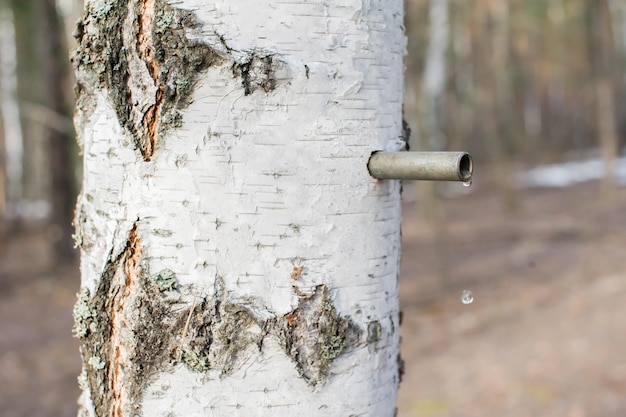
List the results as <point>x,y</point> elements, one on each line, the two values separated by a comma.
<point>139,51</point>
<point>237,258</point>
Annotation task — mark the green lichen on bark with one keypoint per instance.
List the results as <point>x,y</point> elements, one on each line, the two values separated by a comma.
<point>174,62</point>
<point>165,280</point>
<point>101,61</point>
<point>149,338</point>
<point>314,334</point>
<point>208,335</point>
<point>142,54</point>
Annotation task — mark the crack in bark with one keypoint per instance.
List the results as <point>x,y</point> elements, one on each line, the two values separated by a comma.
<point>259,71</point>
<point>124,288</point>
<point>145,48</point>
<point>130,331</point>
<point>104,323</point>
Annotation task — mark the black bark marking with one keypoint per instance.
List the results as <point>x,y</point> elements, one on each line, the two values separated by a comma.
<point>260,71</point>
<point>95,320</point>
<point>400,362</point>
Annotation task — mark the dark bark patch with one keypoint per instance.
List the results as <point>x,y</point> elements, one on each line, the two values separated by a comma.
<point>100,61</point>
<point>314,334</point>
<point>137,325</point>
<point>160,334</point>
<point>406,133</point>
<point>400,362</point>
<point>174,61</point>
<point>160,41</point>
<point>166,280</point>
<point>260,71</point>
<point>112,51</point>
<point>374,330</point>
<point>217,331</point>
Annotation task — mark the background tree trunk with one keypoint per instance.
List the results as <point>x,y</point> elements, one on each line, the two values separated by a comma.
<point>432,135</point>
<point>494,98</point>
<point>602,51</point>
<point>54,73</point>
<point>9,108</point>
<point>237,258</point>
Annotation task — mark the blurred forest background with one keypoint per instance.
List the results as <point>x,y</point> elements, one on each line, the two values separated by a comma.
<point>40,166</point>
<point>533,89</point>
<point>518,83</point>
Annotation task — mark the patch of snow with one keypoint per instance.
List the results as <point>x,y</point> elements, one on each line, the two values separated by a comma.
<point>570,173</point>
<point>29,209</point>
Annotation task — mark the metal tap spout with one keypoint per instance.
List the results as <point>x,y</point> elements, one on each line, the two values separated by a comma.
<point>424,166</point>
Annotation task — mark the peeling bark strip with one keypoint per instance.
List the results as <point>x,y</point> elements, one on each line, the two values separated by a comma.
<point>104,323</point>
<point>124,289</point>
<point>119,37</point>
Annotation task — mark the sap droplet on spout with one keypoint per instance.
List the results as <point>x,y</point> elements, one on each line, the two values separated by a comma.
<point>467,297</point>
<point>467,183</point>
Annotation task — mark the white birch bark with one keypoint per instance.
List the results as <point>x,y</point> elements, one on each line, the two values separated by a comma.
<point>241,261</point>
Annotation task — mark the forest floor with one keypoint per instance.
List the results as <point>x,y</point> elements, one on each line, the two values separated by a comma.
<point>545,335</point>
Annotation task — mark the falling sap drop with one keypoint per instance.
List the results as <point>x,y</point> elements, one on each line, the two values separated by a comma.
<point>467,297</point>
<point>467,183</point>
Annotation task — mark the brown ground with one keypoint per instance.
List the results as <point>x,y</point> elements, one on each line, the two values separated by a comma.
<point>545,336</point>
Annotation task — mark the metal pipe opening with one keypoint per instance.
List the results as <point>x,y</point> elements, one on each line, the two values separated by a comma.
<point>428,166</point>
<point>466,167</point>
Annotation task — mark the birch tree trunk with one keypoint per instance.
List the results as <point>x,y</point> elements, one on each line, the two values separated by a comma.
<point>13,139</point>
<point>237,258</point>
